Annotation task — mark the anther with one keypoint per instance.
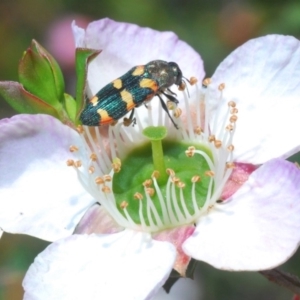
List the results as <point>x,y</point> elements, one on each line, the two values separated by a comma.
<point>230,165</point>
<point>190,152</point>
<point>231,104</point>
<point>170,172</point>
<point>221,87</point>
<point>209,173</point>
<point>234,110</point>
<point>180,184</point>
<point>193,80</point>
<point>91,169</point>
<point>150,191</point>
<point>93,156</point>
<point>177,112</point>
<point>78,163</point>
<point>171,105</point>
<point>155,174</point>
<point>211,138</point>
<point>182,86</point>
<point>218,144</point>
<point>79,129</point>
<point>147,183</point>
<point>107,178</point>
<point>70,163</point>
<point>206,82</point>
<point>233,118</point>
<point>124,204</point>
<point>116,165</point>
<point>138,196</point>
<point>99,180</point>
<point>106,189</point>
<point>198,130</point>
<point>196,178</point>
<point>73,148</point>
<point>230,148</point>
<point>175,179</point>
<point>229,127</point>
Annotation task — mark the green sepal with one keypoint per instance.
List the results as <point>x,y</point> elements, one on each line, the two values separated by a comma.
<point>41,75</point>
<point>24,102</point>
<point>70,106</point>
<point>83,57</point>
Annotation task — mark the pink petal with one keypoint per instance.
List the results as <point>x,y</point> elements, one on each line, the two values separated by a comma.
<point>125,265</point>
<point>262,77</point>
<point>126,45</point>
<point>177,236</point>
<point>97,220</point>
<point>258,228</point>
<point>39,194</point>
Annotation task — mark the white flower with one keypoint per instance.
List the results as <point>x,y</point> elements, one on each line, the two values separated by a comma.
<point>257,226</point>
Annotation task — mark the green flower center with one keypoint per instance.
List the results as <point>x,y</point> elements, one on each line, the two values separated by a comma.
<point>159,184</point>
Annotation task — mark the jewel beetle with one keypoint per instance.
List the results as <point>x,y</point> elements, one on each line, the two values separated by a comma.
<point>136,87</point>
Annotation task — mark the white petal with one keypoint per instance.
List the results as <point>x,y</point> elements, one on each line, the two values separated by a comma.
<point>126,45</point>
<point>259,228</point>
<point>262,77</point>
<point>39,194</point>
<point>78,34</point>
<point>127,265</point>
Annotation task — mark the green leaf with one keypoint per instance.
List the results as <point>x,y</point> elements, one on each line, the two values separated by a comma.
<point>70,105</point>
<point>83,57</point>
<point>41,75</point>
<point>23,101</point>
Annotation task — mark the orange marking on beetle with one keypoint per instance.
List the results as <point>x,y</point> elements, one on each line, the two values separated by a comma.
<point>128,99</point>
<point>117,83</point>
<point>94,100</point>
<point>149,83</point>
<point>139,70</point>
<point>104,117</point>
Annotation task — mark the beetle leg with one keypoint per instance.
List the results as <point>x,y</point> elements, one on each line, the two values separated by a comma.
<point>165,108</point>
<point>130,120</point>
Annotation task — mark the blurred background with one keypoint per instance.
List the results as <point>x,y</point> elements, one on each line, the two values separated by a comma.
<point>213,27</point>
